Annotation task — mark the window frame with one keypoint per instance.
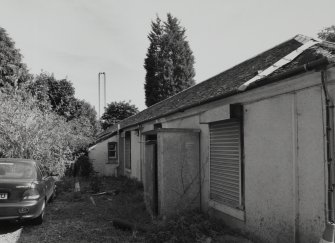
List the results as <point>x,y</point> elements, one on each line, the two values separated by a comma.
<point>109,150</point>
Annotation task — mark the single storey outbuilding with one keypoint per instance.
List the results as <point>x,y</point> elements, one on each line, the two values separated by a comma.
<point>253,145</point>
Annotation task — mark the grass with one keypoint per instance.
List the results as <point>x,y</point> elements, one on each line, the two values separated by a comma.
<point>77,219</point>
<point>70,219</point>
<point>191,226</point>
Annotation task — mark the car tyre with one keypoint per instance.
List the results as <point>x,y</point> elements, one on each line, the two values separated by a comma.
<point>40,218</point>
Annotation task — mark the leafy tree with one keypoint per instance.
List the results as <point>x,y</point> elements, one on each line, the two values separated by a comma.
<point>58,93</point>
<point>85,113</point>
<point>41,119</point>
<point>28,132</point>
<point>13,73</point>
<point>117,111</point>
<point>328,34</point>
<point>169,61</point>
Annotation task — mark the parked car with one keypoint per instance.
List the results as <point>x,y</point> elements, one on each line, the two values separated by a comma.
<point>25,189</point>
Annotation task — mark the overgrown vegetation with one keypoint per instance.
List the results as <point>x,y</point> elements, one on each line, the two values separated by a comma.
<point>82,166</point>
<point>190,226</point>
<point>40,117</point>
<point>28,132</point>
<point>70,219</point>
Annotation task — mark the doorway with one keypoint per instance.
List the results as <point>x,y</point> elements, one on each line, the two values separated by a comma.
<point>151,172</point>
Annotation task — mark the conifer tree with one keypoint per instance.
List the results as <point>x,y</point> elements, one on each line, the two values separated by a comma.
<point>169,61</point>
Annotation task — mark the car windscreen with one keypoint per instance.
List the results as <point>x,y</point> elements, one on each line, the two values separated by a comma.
<point>17,170</point>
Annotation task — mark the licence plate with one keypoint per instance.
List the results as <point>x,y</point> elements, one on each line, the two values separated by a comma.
<point>3,196</point>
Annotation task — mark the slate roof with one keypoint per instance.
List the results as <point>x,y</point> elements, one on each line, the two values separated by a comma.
<point>227,82</point>
<point>106,134</point>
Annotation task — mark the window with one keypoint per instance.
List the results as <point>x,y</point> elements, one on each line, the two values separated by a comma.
<point>17,170</point>
<point>112,151</point>
<point>127,150</point>
<point>226,163</point>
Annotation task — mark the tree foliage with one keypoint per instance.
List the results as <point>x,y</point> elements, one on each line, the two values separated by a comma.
<point>58,93</point>
<point>59,96</point>
<point>117,111</point>
<point>13,73</point>
<point>85,113</point>
<point>328,34</point>
<point>28,132</point>
<point>41,119</point>
<point>169,61</point>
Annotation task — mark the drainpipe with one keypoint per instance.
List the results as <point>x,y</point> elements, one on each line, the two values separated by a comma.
<point>328,235</point>
<point>141,151</point>
<point>118,148</point>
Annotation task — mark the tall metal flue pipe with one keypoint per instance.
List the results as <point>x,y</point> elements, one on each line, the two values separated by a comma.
<point>99,89</point>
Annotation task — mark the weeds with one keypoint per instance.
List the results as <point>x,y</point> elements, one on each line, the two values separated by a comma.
<point>95,183</point>
<point>191,226</point>
<point>64,185</point>
<point>69,220</point>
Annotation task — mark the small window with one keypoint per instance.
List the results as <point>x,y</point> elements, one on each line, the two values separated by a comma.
<point>112,150</point>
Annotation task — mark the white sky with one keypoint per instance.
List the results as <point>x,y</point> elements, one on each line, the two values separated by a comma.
<point>77,39</point>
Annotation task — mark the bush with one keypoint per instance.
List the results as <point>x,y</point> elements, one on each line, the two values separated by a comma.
<point>28,132</point>
<point>83,166</point>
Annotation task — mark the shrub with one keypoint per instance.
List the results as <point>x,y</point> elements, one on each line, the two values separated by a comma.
<point>28,132</point>
<point>83,166</point>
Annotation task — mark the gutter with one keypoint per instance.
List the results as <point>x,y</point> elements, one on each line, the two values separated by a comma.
<point>309,66</point>
<point>261,82</point>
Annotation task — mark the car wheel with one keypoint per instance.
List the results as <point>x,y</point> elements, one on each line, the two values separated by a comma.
<point>40,218</point>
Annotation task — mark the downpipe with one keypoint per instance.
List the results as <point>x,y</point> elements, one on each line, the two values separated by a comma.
<point>118,151</point>
<point>328,234</point>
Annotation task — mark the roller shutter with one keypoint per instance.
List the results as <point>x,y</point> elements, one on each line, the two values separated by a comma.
<point>225,162</point>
